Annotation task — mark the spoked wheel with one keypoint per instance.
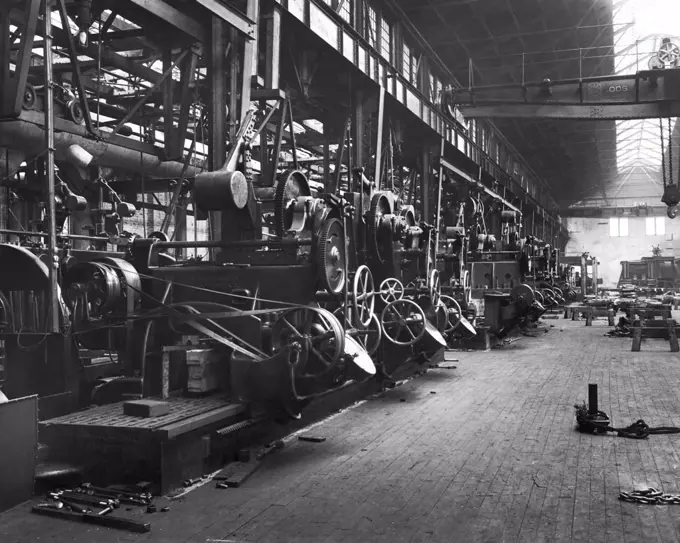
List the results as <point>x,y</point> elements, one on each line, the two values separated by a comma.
<point>403,322</point>
<point>434,286</point>
<point>317,333</point>
<point>391,290</point>
<point>467,290</point>
<point>453,313</point>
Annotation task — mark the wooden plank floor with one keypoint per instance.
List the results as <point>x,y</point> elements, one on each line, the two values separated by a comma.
<point>492,456</point>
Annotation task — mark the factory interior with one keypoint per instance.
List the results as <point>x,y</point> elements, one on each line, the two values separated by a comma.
<point>328,271</point>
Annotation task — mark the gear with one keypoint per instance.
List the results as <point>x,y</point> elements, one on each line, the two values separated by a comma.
<point>330,255</point>
<point>290,185</point>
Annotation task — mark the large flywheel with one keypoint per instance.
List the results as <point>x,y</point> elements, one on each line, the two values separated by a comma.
<point>330,255</point>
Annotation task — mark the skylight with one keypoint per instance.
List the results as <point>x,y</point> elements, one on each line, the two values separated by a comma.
<point>635,45</point>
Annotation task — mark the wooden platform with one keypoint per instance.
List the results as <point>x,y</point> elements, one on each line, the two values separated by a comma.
<point>164,450</point>
<point>492,456</point>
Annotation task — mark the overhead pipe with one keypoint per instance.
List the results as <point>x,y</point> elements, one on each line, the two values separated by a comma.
<point>30,138</point>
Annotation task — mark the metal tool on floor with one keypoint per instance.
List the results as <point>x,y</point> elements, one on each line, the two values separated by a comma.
<point>591,420</point>
<point>107,521</point>
<point>650,496</point>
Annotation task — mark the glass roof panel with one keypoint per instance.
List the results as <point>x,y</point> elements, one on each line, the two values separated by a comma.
<point>636,45</point>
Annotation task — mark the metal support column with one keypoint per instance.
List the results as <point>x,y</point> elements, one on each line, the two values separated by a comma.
<point>438,210</point>
<point>53,319</point>
<point>584,275</point>
<point>218,108</point>
<point>250,58</point>
<point>379,139</point>
<point>273,48</point>
<point>595,263</point>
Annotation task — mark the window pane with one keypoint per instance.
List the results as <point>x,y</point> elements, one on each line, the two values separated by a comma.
<point>614,226</point>
<point>623,226</point>
<point>345,9</point>
<point>371,27</point>
<point>649,226</point>
<point>661,226</point>
<point>406,62</point>
<point>386,40</point>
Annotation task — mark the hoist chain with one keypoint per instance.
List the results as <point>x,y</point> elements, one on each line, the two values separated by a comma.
<point>670,152</point>
<point>650,496</point>
<point>663,157</point>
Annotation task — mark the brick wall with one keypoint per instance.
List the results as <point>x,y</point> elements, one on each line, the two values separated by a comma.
<point>593,236</point>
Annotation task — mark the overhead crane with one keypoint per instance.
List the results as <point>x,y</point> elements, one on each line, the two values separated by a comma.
<point>647,94</point>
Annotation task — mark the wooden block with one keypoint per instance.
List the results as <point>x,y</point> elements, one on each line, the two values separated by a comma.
<point>236,474</point>
<point>312,439</point>
<point>146,408</point>
<point>672,336</point>
<point>637,339</point>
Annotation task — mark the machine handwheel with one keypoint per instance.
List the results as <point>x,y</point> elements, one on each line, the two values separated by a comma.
<point>558,291</point>
<point>539,297</point>
<point>317,332</point>
<point>403,319</point>
<point>453,313</point>
<point>434,286</point>
<point>391,290</point>
<point>363,296</point>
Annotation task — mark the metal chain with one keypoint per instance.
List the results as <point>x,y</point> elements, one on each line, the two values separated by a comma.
<point>663,153</point>
<point>650,496</point>
<point>670,152</point>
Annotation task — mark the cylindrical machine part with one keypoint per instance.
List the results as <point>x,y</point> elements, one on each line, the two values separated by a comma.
<point>455,232</point>
<point>509,217</point>
<point>220,190</point>
<point>30,137</point>
<point>592,399</point>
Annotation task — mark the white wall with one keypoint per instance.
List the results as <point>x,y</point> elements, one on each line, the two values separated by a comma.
<point>593,236</point>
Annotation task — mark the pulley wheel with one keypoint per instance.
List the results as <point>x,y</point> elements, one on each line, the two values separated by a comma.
<point>75,112</point>
<point>318,335</point>
<point>29,98</point>
<point>363,296</point>
<point>524,294</point>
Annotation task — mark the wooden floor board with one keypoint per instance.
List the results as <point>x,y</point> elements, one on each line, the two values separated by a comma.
<point>492,456</point>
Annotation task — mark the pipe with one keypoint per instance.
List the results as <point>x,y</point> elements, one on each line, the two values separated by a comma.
<point>29,137</point>
<point>592,399</point>
<point>29,234</point>
<point>54,313</point>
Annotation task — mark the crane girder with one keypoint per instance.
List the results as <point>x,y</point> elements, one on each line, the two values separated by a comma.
<point>646,94</point>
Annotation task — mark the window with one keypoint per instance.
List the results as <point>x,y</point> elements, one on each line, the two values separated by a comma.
<point>406,62</point>
<point>386,40</point>
<point>618,227</point>
<point>345,9</point>
<point>655,226</point>
<point>371,26</point>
